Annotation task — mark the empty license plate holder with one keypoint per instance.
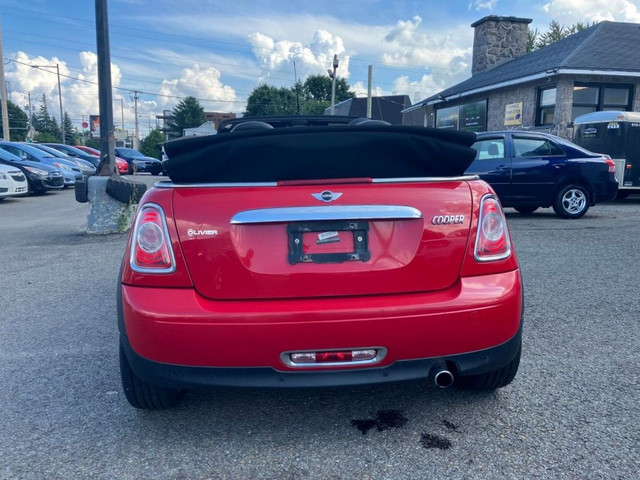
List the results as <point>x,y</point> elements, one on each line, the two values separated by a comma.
<point>358,228</point>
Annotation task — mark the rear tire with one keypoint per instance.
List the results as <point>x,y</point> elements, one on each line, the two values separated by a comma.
<point>143,395</point>
<point>526,210</point>
<point>572,201</point>
<point>492,380</point>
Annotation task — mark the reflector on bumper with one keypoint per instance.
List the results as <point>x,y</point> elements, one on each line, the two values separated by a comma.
<point>326,358</point>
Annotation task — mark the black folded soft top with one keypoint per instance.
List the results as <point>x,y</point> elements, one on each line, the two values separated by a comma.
<point>311,153</point>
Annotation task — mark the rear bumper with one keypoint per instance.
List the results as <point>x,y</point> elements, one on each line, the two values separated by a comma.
<point>605,191</point>
<point>176,337</point>
<point>188,378</point>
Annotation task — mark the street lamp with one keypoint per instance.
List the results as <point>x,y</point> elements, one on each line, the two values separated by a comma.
<point>59,95</point>
<point>332,75</point>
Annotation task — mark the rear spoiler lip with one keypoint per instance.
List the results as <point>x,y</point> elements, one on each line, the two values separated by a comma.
<point>462,178</point>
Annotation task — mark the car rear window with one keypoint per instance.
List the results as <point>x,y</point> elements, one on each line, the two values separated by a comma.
<point>535,147</point>
<point>489,148</point>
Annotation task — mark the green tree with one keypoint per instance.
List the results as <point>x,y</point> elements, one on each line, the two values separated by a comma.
<point>70,131</point>
<point>84,138</point>
<point>556,32</point>
<point>18,122</point>
<point>150,145</point>
<point>318,87</point>
<point>44,137</point>
<point>268,100</point>
<point>532,38</point>
<point>310,98</point>
<point>46,124</point>
<point>187,114</point>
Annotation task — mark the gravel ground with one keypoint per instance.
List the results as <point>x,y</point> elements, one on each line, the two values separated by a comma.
<point>572,412</point>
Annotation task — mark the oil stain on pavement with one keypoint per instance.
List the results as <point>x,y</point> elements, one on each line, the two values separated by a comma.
<point>383,420</point>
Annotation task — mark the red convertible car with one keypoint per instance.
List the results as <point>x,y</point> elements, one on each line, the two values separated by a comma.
<point>318,256</point>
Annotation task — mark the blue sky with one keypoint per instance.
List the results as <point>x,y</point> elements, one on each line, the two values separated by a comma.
<point>219,51</point>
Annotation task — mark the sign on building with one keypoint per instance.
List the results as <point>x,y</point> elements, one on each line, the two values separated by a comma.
<point>513,114</point>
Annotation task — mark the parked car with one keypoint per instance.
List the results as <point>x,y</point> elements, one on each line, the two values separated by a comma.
<point>74,152</point>
<point>40,177</point>
<point>529,170</point>
<point>85,166</point>
<point>70,172</point>
<point>13,183</point>
<point>121,164</point>
<point>139,162</point>
<point>279,258</point>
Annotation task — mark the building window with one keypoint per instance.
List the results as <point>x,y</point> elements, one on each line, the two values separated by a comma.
<point>594,97</point>
<point>471,117</point>
<point>546,106</point>
<point>447,117</point>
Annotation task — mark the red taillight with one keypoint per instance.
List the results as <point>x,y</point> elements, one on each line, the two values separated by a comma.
<point>492,239</point>
<point>611,163</point>
<point>150,242</point>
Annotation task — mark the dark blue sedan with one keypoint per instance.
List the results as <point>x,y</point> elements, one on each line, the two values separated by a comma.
<point>139,162</point>
<point>529,170</point>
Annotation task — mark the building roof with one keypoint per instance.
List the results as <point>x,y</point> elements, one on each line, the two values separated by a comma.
<point>388,108</point>
<point>205,129</point>
<point>603,48</point>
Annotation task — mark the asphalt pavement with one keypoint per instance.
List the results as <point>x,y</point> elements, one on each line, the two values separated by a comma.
<point>572,412</point>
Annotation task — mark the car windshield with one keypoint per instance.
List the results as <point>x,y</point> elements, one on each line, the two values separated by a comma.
<point>75,150</point>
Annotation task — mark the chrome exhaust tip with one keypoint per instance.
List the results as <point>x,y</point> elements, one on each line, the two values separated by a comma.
<point>442,376</point>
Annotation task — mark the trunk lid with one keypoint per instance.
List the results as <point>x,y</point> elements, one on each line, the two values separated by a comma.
<point>257,242</point>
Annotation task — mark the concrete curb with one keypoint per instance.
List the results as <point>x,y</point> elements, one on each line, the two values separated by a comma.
<point>107,215</point>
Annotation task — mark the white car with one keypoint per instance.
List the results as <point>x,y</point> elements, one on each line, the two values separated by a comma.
<point>12,182</point>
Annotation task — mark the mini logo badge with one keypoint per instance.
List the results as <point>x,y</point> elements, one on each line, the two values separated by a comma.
<point>326,196</point>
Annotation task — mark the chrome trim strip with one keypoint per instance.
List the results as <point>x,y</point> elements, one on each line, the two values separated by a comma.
<point>320,213</point>
<point>169,184</point>
<point>461,178</point>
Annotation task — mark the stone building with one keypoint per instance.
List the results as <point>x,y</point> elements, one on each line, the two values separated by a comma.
<point>595,69</point>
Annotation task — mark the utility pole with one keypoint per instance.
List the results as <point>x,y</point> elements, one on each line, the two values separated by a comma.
<point>295,78</point>
<point>136,136</point>
<point>60,100</point>
<point>59,95</point>
<point>3,92</point>
<point>122,112</point>
<point>332,75</point>
<point>369,82</point>
<point>107,140</point>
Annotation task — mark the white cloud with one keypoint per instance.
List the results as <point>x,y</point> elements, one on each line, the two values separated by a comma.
<point>417,90</point>
<point>483,5</point>
<point>572,11</point>
<point>361,90</point>
<point>412,47</point>
<point>79,90</point>
<point>277,57</point>
<point>202,83</point>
